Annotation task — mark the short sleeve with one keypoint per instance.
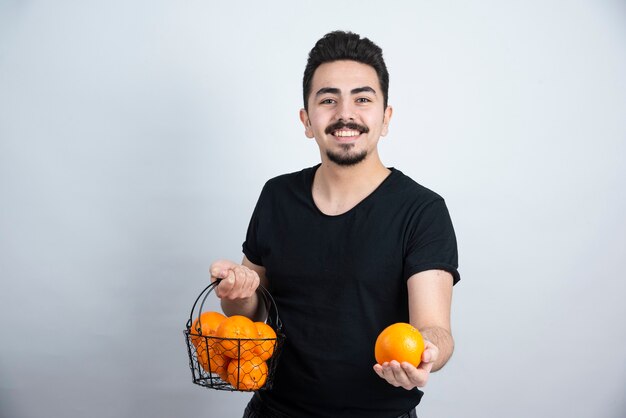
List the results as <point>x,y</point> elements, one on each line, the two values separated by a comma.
<point>250,246</point>
<point>431,243</point>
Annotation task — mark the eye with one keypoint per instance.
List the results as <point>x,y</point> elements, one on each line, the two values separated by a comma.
<point>363,100</point>
<point>328,101</point>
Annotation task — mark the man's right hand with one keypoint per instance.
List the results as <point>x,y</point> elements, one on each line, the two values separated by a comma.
<point>237,283</point>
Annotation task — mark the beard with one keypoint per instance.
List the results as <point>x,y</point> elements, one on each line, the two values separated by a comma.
<point>344,157</point>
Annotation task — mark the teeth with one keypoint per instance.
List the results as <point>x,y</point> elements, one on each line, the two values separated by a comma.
<point>347,133</point>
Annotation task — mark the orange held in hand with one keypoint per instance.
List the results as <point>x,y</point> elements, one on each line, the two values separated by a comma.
<point>248,374</point>
<point>400,342</point>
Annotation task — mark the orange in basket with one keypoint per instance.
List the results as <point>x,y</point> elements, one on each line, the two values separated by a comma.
<point>233,353</point>
<point>212,362</point>
<point>235,332</point>
<point>206,325</point>
<point>264,349</point>
<point>247,374</point>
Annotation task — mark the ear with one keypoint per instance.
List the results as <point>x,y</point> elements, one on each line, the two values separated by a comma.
<point>386,120</point>
<point>308,130</point>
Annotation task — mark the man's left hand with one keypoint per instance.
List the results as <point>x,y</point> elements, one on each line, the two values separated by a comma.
<point>407,375</point>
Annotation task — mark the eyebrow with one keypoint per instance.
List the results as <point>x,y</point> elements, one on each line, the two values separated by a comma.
<point>365,89</point>
<point>334,90</point>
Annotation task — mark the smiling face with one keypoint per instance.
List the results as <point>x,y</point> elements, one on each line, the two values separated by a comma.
<point>346,112</point>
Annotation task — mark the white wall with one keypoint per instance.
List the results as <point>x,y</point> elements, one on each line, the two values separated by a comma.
<point>135,138</point>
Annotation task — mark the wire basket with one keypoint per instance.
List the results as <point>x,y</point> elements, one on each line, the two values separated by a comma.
<point>233,364</point>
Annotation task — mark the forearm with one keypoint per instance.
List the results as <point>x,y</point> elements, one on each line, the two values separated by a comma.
<point>442,338</point>
<point>252,307</point>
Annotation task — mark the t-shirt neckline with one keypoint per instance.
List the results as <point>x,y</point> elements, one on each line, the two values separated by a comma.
<point>376,191</point>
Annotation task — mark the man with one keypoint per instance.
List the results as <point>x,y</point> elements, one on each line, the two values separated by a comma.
<point>346,248</point>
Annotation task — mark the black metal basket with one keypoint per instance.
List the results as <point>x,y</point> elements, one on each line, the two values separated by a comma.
<point>210,356</point>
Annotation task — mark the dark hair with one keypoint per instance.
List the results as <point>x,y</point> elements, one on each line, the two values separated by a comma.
<point>340,45</point>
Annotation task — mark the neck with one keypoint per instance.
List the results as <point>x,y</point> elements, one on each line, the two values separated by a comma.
<point>337,189</point>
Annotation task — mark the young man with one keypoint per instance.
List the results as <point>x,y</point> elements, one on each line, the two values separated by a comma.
<point>346,247</point>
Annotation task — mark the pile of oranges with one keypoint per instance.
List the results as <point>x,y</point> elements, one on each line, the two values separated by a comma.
<point>234,348</point>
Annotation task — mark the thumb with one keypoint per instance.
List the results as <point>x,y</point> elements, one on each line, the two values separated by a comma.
<point>430,353</point>
<point>426,356</point>
<point>221,268</point>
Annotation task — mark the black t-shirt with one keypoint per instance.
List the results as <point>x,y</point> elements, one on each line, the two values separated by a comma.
<point>338,281</point>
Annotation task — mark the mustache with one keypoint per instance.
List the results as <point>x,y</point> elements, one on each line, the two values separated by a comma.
<point>350,125</point>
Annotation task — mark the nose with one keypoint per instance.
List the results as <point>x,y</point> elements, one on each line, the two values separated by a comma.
<point>345,111</point>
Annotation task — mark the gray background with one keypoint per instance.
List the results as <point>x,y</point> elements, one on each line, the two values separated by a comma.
<point>136,136</point>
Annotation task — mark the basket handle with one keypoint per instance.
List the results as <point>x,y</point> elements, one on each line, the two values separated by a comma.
<point>272,310</point>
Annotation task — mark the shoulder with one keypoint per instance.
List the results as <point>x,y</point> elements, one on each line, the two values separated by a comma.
<point>293,184</point>
<point>291,179</point>
<point>405,188</point>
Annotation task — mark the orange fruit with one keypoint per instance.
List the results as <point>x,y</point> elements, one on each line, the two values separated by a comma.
<point>206,326</point>
<point>247,374</point>
<point>400,342</point>
<point>213,362</point>
<point>264,349</point>
<point>235,334</point>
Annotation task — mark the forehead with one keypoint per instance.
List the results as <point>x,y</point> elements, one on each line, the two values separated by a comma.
<point>344,75</point>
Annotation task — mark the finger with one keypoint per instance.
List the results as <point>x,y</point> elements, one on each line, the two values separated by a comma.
<point>387,374</point>
<point>245,282</point>
<point>400,375</point>
<point>225,288</point>
<point>241,278</point>
<point>418,376</point>
<point>390,372</point>
<point>249,281</point>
